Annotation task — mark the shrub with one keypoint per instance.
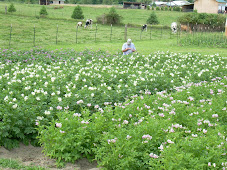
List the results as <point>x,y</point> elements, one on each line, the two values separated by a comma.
<point>176,8</point>
<point>77,13</point>
<point>43,11</point>
<point>153,19</point>
<point>11,8</point>
<point>193,19</point>
<point>152,8</point>
<point>111,18</point>
<point>162,8</point>
<point>166,8</point>
<point>148,7</point>
<point>157,8</point>
<point>153,5</point>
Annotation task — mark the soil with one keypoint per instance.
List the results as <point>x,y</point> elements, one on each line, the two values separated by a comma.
<point>30,155</point>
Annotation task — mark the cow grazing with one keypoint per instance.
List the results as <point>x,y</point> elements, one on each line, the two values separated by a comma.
<point>144,27</point>
<point>186,28</point>
<point>174,27</point>
<point>88,23</point>
<point>79,24</point>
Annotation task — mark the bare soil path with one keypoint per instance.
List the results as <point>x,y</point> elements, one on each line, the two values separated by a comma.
<point>30,155</point>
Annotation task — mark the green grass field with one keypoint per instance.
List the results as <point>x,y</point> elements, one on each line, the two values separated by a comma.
<point>132,16</point>
<point>24,21</point>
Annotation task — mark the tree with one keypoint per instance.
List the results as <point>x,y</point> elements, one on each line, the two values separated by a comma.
<point>152,19</point>
<point>77,13</point>
<point>113,17</point>
<point>43,11</point>
<point>12,8</point>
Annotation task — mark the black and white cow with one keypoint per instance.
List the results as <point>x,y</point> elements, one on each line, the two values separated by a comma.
<point>79,24</point>
<point>88,22</point>
<point>144,27</point>
<point>174,27</point>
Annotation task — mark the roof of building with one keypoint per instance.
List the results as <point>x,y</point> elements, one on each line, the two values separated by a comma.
<point>136,3</point>
<point>178,3</point>
<point>221,1</point>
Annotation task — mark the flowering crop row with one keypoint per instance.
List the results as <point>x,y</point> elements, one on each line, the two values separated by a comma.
<point>38,84</point>
<point>181,130</point>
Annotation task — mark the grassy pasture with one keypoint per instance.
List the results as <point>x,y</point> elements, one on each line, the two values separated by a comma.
<point>132,16</point>
<point>155,39</point>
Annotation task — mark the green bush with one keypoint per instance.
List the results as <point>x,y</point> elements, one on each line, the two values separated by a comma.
<point>153,19</point>
<point>148,7</point>
<point>166,8</point>
<point>152,8</point>
<point>153,5</point>
<point>157,8</point>
<point>111,18</point>
<point>11,8</point>
<point>176,8</point>
<point>211,20</point>
<point>77,13</point>
<point>43,11</point>
<point>162,8</point>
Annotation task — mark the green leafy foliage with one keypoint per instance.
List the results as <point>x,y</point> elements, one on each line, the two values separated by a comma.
<point>37,85</point>
<point>77,13</point>
<point>111,18</point>
<point>43,11</point>
<point>153,19</point>
<point>195,19</point>
<point>165,130</point>
<point>12,8</point>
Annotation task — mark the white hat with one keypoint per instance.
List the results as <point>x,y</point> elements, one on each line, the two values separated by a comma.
<point>129,41</point>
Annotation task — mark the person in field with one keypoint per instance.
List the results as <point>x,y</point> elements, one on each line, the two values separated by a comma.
<point>128,47</point>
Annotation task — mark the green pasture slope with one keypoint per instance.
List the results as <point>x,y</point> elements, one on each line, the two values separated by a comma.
<point>26,18</point>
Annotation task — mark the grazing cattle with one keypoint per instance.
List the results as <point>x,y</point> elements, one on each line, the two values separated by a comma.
<point>88,22</point>
<point>144,27</point>
<point>79,24</point>
<point>185,28</point>
<point>174,27</point>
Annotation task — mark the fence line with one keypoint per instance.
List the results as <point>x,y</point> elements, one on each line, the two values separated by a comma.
<point>199,35</point>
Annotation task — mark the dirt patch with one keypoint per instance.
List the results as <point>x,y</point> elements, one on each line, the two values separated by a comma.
<point>30,155</point>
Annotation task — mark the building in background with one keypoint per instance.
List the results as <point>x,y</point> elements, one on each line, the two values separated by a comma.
<point>134,5</point>
<point>56,2</point>
<point>210,6</point>
<point>44,2</point>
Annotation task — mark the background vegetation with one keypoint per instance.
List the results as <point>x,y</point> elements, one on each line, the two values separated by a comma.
<point>59,24</point>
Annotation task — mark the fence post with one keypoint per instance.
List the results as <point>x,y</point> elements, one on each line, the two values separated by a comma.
<point>34,37</point>
<point>161,31</point>
<point>141,34</point>
<point>178,31</point>
<point>57,35</point>
<point>125,32</point>
<point>150,32</point>
<point>226,28</point>
<point>95,32</point>
<point>76,33</point>
<point>111,32</point>
<point>10,36</point>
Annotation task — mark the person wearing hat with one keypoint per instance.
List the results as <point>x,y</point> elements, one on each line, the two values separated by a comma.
<point>128,47</point>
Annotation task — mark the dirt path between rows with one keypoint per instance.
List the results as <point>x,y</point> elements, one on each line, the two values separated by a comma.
<point>30,155</point>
